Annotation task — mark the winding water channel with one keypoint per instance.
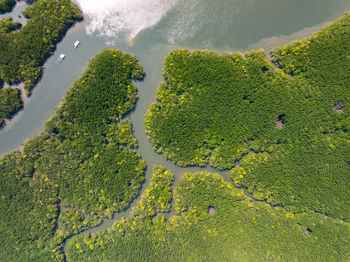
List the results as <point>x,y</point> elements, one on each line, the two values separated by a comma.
<point>222,25</point>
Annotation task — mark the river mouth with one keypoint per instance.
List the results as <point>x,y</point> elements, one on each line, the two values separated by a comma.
<point>151,45</point>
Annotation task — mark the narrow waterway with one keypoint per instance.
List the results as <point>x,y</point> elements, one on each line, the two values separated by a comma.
<point>222,25</point>
<point>16,13</point>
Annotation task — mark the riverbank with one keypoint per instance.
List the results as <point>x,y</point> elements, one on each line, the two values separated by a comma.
<point>25,48</point>
<point>57,79</point>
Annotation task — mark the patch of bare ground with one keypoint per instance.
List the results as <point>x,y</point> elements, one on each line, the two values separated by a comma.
<point>307,231</point>
<point>338,107</point>
<point>270,59</point>
<point>280,122</point>
<point>211,210</point>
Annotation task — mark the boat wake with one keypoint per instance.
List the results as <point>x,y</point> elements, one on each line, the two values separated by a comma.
<point>122,19</point>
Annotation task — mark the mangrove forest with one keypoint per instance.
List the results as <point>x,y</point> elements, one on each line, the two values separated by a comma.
<point>24,50</point>
<point>82,169</point>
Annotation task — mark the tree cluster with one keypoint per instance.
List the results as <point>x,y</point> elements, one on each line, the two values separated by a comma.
<point>81,169</point>
<point>213,221</point>
<point>23,51</point>
<point>10,103</point>
<point>6,5</point>
<point>283,133</point>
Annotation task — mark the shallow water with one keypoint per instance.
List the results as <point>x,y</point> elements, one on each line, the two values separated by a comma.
<point>223,25</point>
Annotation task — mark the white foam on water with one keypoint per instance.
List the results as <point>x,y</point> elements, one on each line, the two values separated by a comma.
<point>123,19</point>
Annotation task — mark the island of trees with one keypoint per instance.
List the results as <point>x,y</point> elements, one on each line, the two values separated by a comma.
<point>283,134</point>
<point>82,169</point>
<point>23,51</point>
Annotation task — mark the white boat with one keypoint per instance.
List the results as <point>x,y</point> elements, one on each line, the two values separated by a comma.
<point>76,44</point>
<point>60,58</point>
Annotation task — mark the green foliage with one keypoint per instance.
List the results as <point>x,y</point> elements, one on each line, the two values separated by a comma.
<point>23,52</point>
<point>10,102</point>
<point>71,221</point>
<point>7,25</point>
<point>286,138</point>
<point>234,104</point>
<point>313,177</point>
<point>120,133</point>
<point>214,222</point>
<point>324,62</point>
<point>158,194</point>
<point>28,208</point>
<point>81,170</point>
<point>6,5</point>
<point>94,103</point>
<point>146,215</point>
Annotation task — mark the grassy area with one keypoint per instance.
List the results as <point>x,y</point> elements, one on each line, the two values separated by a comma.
<point>213,222</point>
<point>81,169</point>
<point>282,134</point>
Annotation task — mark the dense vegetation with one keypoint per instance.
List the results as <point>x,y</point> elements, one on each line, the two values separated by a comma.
<point>283,134</point>
<point>316,172</point>
<point>7,25</point>
<point>10,103</point>
<point>81,169</point>
<point>6,5</point>
<point>285,137</point>
<point>23,51</point>
<point>213,222</point>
